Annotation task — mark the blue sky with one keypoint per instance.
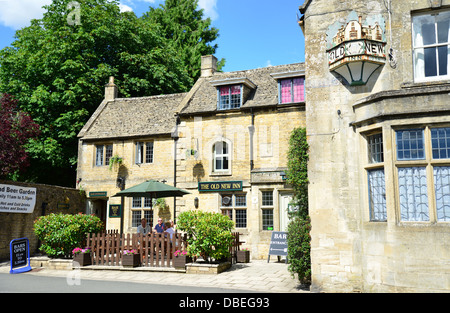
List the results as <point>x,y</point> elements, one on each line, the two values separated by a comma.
<point>253,33</point>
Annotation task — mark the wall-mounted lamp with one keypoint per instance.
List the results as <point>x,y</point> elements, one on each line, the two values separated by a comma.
<point>283,175</point>
<point>196,202</point>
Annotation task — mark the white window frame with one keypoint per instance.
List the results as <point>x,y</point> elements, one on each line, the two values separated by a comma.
<point>222,156</point>
<point>105,156</point>
<point>142,150</point>
<point>417,42</point>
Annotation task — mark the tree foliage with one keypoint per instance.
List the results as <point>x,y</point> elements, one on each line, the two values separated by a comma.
<point>16,129</point>
<point>186,30</point>
<point>57,70</point>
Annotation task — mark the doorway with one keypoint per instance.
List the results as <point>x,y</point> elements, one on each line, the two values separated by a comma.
<point>99,207</point>
<point>285,199</point>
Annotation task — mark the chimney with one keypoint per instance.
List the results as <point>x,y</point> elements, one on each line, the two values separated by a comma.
<point>209,65</point>
<point>110,89</point>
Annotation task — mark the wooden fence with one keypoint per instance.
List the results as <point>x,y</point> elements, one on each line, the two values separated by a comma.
<point>155,250</point>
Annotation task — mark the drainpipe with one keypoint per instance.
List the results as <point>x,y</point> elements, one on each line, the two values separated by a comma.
<point>175,141</point>
<point>251,130</point>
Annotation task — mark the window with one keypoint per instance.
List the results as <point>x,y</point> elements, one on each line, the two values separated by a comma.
<point>376,179</point>
<point>98,155</point>
<point>144,152</point>
<point>235,205</point>
<point>230,97</point>
<point>267,219</point>
<point>267,209</point>
<point>267,198</point>
<point>141,208</point>
<point>431,45</point>
<point>221,157</point>
<point>292,90</point>
<point>415,164</point>
<point>103,154</point>
<point>410,145</point>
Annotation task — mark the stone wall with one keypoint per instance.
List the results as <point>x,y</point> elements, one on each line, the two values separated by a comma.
<point>49,199</point>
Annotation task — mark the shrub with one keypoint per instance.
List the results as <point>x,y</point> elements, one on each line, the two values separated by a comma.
<point>209,234</point>
<point>61,233</point>
<point>299,248</point>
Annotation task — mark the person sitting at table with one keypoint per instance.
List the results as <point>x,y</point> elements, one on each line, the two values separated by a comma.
<point>159,228</point>
<point>143,228</point>
<point>169,229</point>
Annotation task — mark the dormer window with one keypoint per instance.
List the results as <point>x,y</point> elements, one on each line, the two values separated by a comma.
<point>291,86</point>
<point>292,90</point>
<point>232,92</point>
<point>230,97</point>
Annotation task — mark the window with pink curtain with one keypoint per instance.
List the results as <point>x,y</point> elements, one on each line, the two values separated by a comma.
<point>292,90</point>
<point>230,97</point>
<point>299,89</point>
<point>224,91</point>
<point>286,96</point>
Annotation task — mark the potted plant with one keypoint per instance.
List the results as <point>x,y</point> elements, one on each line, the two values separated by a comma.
<point>243,256</point>
<point>181,258</point>
<point>131,258</point>
<point>82,256</point>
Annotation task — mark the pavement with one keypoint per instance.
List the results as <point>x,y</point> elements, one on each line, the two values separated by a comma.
<point>256,276</point>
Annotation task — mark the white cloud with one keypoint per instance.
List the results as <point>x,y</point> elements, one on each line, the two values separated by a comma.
<point>125,8</point>
<point>210,7</point>
<point>17,14</point>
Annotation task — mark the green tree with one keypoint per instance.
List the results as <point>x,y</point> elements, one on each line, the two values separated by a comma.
<point>57,70</point>
<point>187,31</point>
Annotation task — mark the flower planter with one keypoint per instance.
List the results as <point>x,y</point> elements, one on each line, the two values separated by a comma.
<point>82,258</point>
<point>243,256</point>
<point>181,260</point>
<point>131,260</point>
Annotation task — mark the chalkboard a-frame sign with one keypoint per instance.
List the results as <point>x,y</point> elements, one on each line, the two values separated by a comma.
<point>278,245</point>
<point>19,250</point>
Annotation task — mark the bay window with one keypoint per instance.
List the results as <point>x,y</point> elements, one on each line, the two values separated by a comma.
<point>423,170</point>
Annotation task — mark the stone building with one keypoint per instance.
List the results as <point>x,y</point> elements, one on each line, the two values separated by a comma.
<point>378,125</point>
<point>225,141</point>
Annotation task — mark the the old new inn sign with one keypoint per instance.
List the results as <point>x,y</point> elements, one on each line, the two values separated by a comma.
<point>220,186</point>
<point>356,50</point>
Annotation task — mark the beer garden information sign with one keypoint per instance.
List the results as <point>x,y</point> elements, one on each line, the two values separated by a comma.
<point>17,199</point>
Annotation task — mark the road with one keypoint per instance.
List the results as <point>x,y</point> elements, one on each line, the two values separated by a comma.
<point>29,283</point>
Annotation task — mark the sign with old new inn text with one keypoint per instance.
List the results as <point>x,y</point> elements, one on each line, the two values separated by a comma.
<point>220,186</point>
